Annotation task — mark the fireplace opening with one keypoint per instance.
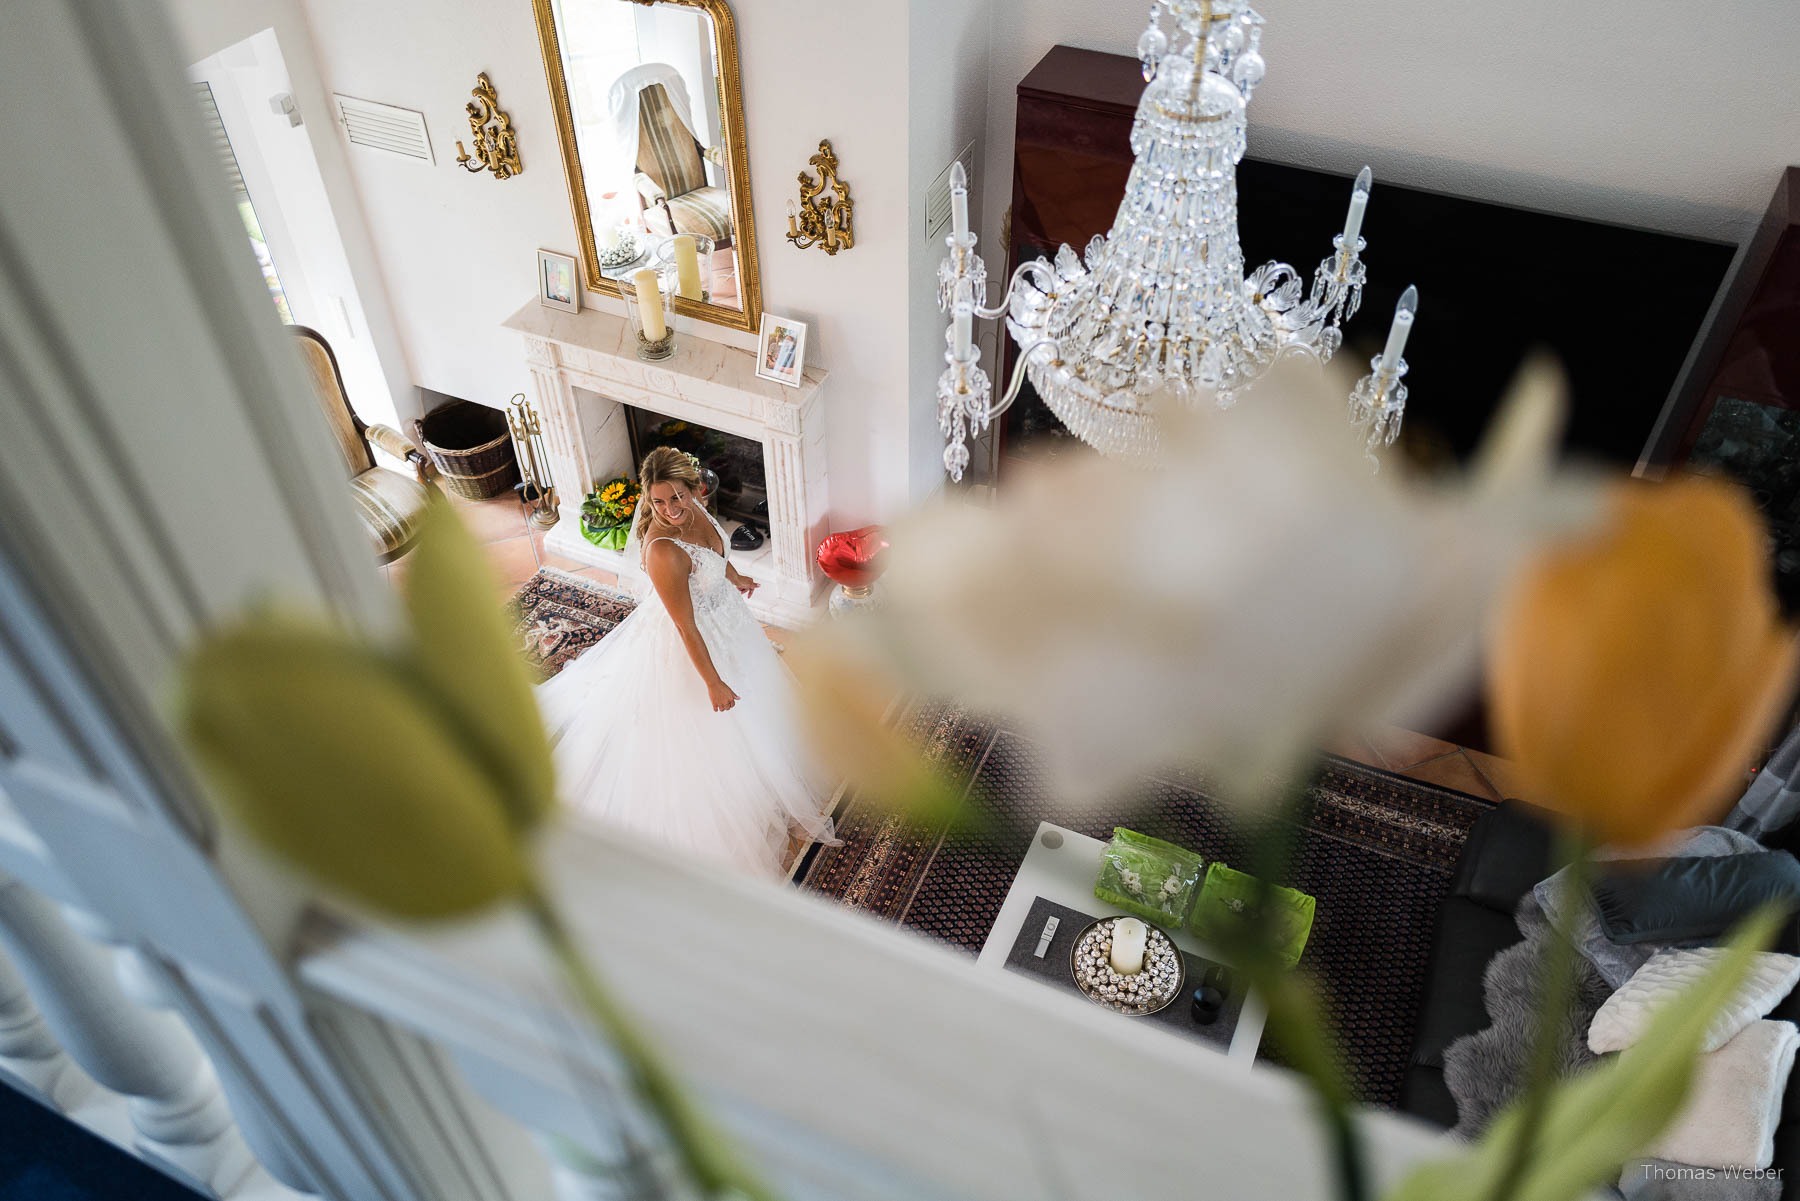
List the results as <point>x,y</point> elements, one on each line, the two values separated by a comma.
<point>743,488</point>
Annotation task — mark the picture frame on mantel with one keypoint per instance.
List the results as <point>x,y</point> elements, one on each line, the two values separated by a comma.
<point>559,281</point>
<point>781,350</point>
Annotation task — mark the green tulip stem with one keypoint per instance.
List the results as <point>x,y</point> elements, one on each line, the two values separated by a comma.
<point>708,1158</point>
<point>1294,1013</point>
<point>1553,1013</point>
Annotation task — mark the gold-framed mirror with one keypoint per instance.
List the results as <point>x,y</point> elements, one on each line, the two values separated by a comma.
<point>650,119</point>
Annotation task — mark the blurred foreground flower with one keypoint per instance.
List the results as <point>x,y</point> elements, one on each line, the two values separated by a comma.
<point>411,780</point>
<point>1632,673</point>
<point>1254,593</point>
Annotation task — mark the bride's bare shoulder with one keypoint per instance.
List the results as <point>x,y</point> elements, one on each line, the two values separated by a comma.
<point>666,557</point>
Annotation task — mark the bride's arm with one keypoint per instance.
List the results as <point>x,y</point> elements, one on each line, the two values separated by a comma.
<point>669,573</point>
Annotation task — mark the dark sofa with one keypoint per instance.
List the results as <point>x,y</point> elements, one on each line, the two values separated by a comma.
<point>1508,852</point>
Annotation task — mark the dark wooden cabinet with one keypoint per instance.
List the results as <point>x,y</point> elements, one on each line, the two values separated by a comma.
<point>1071,157</point>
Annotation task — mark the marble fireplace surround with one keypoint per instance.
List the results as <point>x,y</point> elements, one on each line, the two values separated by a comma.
<point>584,368</point>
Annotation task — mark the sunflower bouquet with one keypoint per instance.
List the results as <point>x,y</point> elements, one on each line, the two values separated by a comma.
<point>607,512</point>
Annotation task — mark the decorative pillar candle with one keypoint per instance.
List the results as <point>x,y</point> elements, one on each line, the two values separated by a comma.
<point>650,309</point>
<point>1128,938</point>
<point>687,268</point>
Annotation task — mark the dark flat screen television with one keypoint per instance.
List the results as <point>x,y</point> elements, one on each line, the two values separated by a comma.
<point>1619,307</point>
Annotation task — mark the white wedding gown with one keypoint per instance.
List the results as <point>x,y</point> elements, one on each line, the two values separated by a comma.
<point>639,747</point>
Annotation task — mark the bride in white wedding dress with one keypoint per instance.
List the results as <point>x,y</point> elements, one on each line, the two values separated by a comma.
<point>680,724</point>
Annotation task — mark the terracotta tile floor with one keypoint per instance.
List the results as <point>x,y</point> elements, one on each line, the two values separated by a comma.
<point>516,552</point>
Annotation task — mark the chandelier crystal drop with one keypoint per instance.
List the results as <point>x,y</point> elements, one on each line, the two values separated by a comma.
<point>1162,306</point>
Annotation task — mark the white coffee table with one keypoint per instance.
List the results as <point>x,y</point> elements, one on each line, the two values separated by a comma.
<point>1061,866</point>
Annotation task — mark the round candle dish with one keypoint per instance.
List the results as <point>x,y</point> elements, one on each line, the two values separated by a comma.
<point>1144,992</point>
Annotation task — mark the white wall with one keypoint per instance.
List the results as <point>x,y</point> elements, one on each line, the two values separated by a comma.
<point>1645,112</point>
<point>207,27</point>
<point>457,251</point>
<point>947,98</point>
<point>282,175</point>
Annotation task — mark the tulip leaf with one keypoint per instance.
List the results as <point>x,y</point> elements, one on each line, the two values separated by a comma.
<point>1600,1118</point>
<point>333,759</point>
<point>464,652</point>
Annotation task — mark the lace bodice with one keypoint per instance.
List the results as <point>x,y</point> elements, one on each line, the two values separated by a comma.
<point>707,582</point>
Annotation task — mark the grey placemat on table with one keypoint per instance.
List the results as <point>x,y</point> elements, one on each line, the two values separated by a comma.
<point>1054,969</point>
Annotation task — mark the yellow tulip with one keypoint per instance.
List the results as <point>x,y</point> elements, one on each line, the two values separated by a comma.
<point>476,673</point>
<point>332,758</point>
<point>1632,674</point>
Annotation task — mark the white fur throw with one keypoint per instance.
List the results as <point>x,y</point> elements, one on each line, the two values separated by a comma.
<point>1730,1116</point>
<point>1627,1013</point>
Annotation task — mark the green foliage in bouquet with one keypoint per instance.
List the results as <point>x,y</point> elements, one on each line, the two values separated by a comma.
<point>1228,906</point>
<point>607,512</point>
<point>1149,877</point>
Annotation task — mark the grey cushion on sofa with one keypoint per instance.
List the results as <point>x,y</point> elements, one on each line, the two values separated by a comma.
<point>1615,962</point>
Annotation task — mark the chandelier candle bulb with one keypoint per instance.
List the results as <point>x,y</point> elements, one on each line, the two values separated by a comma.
<point>649,299</point>
<point>959,201</point>
<point>1129,936</point>
<point>687,267</point>
<point>1359,200</point>
<point>793,212</point>
<point>1403,321</point>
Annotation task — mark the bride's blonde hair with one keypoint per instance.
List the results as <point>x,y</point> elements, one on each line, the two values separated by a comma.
<point>664,465</point>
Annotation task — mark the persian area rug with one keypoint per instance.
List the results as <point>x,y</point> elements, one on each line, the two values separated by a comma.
<point>1377,850</point>
<point>557,615</point>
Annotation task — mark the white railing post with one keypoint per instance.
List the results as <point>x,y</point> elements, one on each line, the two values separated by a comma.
<point>29,1055</point>
<point>176,1107</point>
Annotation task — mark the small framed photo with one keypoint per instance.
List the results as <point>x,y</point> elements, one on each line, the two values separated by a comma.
<point>559,283</point>
<point>781,350</point>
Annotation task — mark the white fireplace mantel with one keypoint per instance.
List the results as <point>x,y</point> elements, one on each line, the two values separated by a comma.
<point>584,366</point>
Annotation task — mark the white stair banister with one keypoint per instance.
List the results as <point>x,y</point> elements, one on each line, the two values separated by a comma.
<point>176,1107</point>
<point>29,1055</point>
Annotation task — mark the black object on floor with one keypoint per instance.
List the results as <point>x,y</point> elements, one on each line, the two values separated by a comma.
<point>46,1157</point>
<point>746,537</point>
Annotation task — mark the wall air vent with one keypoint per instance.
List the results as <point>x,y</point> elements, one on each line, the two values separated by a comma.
<point>937,196</point>
<point>384,127</point>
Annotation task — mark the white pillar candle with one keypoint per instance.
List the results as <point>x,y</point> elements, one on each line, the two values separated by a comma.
<point>959,201</point>
<point>1403,320</point>
<point>1359,200</point>
<point>1128,938</point>
<point>649,298</point>
<point>687,267</point>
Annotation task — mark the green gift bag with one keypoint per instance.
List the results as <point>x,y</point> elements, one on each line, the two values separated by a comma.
<point>1149,877</point>
<point>1228,900</point>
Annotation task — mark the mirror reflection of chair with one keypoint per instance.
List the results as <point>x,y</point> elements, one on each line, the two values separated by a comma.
<point>649,108</point>
<point>389,503</point>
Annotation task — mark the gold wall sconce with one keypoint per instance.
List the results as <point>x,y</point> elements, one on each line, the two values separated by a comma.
<point>822,218</point>
<point>496,145</point>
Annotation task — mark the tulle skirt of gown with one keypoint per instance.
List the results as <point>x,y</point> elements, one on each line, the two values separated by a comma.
<point>639,747</point>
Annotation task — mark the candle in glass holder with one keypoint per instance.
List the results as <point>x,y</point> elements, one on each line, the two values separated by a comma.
<point>687,267</point>
<point>1128,939</point>
<point>649,299</point>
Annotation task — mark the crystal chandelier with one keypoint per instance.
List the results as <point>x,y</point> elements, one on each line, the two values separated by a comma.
<point>1161,304</point>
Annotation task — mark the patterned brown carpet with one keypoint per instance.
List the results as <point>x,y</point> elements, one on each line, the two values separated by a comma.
<point>1377,850</point>
<point>557,615</point>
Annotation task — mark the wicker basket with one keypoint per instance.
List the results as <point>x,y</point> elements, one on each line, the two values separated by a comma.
<point>472,447</point>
